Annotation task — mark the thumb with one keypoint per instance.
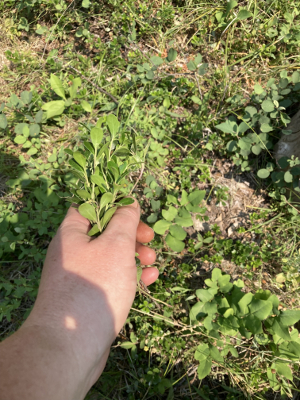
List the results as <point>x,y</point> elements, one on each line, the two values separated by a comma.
<point>75,225</point>
<point>124,223</point>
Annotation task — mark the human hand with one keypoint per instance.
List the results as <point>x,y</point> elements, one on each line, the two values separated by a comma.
<point>88,285</point>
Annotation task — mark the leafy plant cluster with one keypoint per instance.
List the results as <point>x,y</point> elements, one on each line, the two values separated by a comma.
<point>177,216</point>
<point>235,324</point>
<point>257,130</point>
<point>101,173</point>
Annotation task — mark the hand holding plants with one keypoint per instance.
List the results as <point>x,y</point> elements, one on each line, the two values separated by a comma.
<point>86,291</point>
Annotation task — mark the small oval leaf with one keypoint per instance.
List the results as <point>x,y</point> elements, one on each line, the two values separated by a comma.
<point>88,211</point>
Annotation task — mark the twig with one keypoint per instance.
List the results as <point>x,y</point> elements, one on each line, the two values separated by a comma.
<point>138,179</point>
<point>143,288</point>
<point>200,92</point>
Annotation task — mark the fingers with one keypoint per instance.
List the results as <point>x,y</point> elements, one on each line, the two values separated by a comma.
<point>144,233</point>
<point>149,275</point>
<point>147,256</point>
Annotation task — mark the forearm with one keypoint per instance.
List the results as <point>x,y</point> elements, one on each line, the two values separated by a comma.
<point>36,363</point>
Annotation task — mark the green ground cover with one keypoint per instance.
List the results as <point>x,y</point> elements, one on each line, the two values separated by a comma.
<point>169,101</point>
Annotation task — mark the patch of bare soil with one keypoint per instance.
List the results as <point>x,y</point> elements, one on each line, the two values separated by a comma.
<point>233,213</point>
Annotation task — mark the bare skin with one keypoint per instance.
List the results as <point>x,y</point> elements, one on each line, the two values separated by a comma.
<point>86,291</point>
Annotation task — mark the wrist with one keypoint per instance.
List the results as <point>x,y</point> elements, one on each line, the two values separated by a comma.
<point>37,362</point>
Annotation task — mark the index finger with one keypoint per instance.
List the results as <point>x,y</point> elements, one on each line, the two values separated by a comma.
<point>144,233</point>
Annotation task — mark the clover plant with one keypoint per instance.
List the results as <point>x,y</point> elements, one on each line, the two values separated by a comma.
<point>177,216</point>
<point>233,321</point>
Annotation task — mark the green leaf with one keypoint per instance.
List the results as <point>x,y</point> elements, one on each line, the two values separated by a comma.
<point>26,130</point>
<point>57,86</point>
<point>284,370</point>
<point>202,69</point>
<point>113,124</point>
<point>256,149</point>
<point>198,59</point>
<point>268,106</point>
<point>206,295</point>
<point>184,218</point>
<point>232,145</point>
<point>272,377</point>
<point>289,317</point>
<point>84,194</point>
<point>89,146</point>
<point>171,199</point>
<point>202,352</point>
<point>108,216</point>
<point>245,143</point>
<point>170,214</point>
<point>3,121</point>
<point>26,97</point>
<point>228,127</point>
<point>54,108</point>
<point>244,302</point>
<point>27,145</point>
<point>152,218</point>
<point>216,274</point>
<point>96,136</point>
<point>296,77</point>
<point>94,230</point>
<point>251,111</point>
<point>127,345</point>
<point>294,347</point>
<point>258,89</point>
<point>75,85</point>
<point>253,324</point>
<point>224,284</point>
<point>156,60</point>
<point>288,177</point>
<point>19,139</point>
<point>191,65</point>
<point>196,311</point>
<point>204,368</point>
<point>261,309</point>
<point>122,152</point>
<point>86,106</point>
<point>39,117</point>
<point>184,198</point>
<point>266,128</point>
<point>88,211</point>
<point>174,244</point>
<point>32,151</point>
<point>215,354</point>
<point>106,198</point>
<point>80,159</point>
<point>244,14</point>
<point>74,164</point>
<point>155,204</point>
<point>263,173</point>
<point>178,232</point>
<point>34,130</point>
<point>196,197</point>
<point>126,201</point>
<point>230,5</point>
<point>150,75</point>
<point>172,54</point>
<point>161,226</point>
<point>280,329</point>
